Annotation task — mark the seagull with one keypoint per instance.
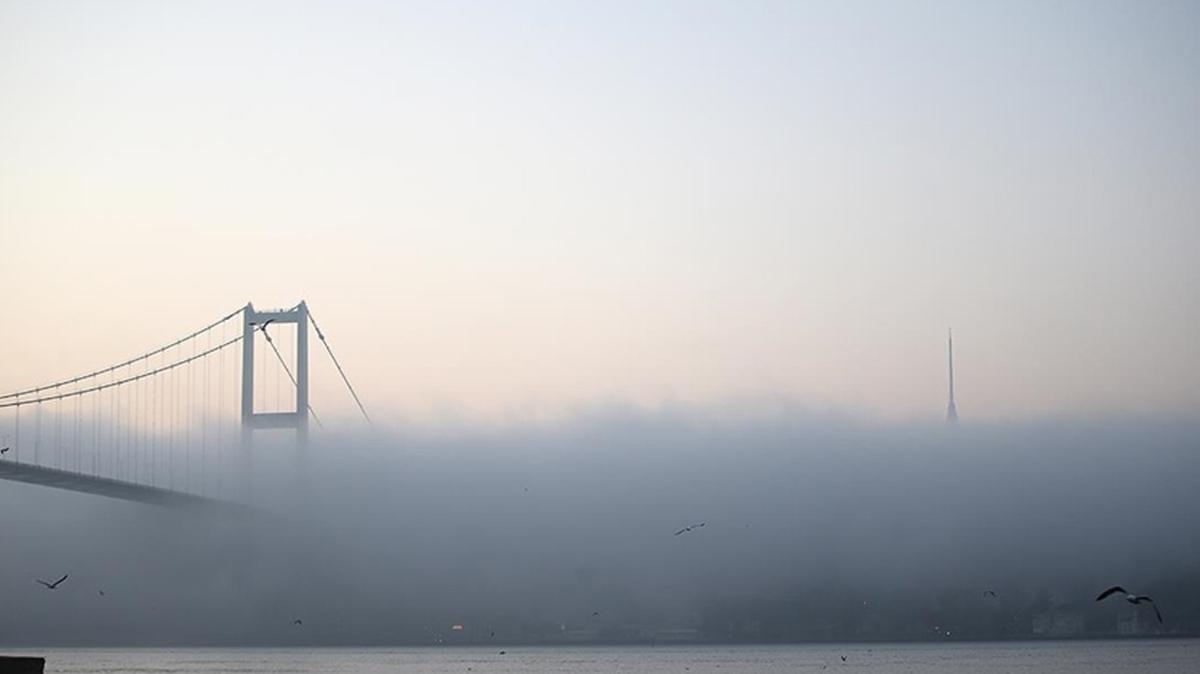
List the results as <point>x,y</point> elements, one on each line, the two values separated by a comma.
<point>595,613</point>
<point>1131,598</point>
<point>5,450</point>
<point>689,528</point>
<point>101,592</point>
<point>51,586</point>
<point>297,621</point>
<point>843,658</point>
<point>989,593</point>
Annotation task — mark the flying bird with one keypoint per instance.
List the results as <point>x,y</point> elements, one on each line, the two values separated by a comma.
<point>595,613</point>
<point>1131,598</point>
<point>101,592</point>
<point>843,658</point>
<point>989,593</point>
<point>5,450</point>
<point>297,621</point>
<point>689,528</point>
<point>51,586</point>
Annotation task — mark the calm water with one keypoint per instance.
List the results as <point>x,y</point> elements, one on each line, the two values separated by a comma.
<point>1073,656</point>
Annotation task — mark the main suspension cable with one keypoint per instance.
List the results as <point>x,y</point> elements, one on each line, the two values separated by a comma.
<point>66,382</point>
<point>118,382</point>
<point>321,336</point>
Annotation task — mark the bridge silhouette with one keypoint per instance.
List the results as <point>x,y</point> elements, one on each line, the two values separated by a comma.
<point>175,425</point>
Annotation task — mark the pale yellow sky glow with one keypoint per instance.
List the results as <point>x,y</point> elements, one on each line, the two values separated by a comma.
<point>508,210</point>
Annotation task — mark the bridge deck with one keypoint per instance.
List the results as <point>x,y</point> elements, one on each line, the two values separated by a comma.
<point>103,486</point>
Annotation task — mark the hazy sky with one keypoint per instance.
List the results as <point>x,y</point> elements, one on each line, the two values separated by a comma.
<point>514,208</point>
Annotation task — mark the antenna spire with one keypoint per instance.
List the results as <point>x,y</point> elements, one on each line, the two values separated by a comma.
<point>951,411</point>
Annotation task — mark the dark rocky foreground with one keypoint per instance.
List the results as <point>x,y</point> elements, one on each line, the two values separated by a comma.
<point>21,665</point>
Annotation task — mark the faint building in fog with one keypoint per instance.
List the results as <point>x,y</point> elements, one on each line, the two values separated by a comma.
<point>1058,623</point>
<point>1134,623</point>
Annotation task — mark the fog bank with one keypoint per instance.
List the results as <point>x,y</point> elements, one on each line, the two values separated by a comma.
<point>536,531</point>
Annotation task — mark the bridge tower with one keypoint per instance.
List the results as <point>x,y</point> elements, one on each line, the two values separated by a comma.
<point>254,320</point>
<point>951,410</point>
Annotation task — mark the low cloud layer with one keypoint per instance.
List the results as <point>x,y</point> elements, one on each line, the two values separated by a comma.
<point>534,531</point>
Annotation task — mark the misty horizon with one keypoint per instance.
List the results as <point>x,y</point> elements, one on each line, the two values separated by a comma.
<point>703,333</point>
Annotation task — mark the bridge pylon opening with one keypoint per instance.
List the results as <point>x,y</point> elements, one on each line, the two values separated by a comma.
<point>254,320</point>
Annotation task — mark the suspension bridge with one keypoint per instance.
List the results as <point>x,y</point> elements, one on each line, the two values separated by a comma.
<point>175,425</point>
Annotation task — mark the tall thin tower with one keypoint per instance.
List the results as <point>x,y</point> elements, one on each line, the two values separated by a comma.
<point>951,411</point>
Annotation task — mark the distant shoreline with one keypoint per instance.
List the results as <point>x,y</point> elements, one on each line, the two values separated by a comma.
<point>6,648</point>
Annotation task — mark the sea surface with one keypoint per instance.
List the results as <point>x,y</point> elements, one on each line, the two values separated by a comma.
<point>1040,656</point>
